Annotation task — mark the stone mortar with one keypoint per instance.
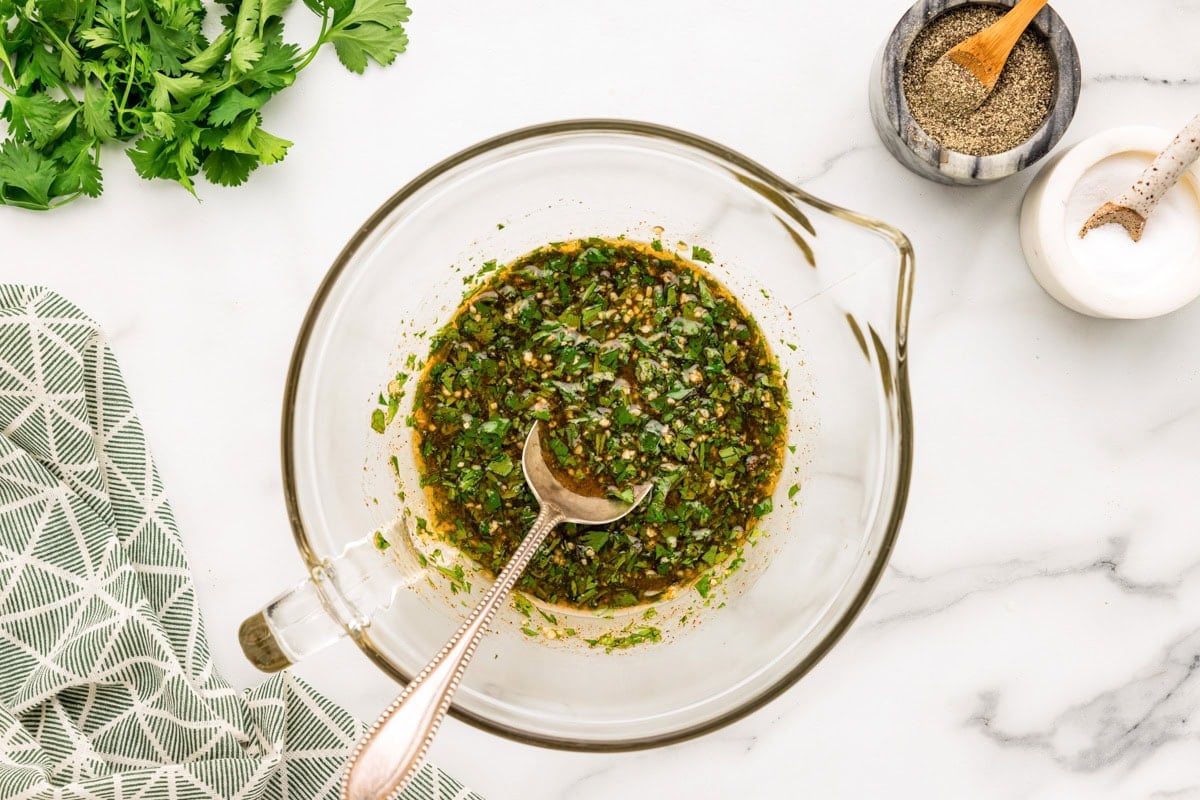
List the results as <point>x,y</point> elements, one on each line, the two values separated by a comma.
<point>913,148</point>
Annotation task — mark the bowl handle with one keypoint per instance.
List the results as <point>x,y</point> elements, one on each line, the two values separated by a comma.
<point>339,598</point>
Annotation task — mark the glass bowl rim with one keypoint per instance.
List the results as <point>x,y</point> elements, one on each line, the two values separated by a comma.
<point>772,183</point>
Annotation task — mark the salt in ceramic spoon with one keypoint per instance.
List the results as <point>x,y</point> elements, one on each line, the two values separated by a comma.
<point>963,78</point>
<point>389,753</point>
<point>1134,207</point>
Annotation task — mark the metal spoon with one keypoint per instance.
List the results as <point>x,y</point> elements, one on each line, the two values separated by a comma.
<point>389,753</point>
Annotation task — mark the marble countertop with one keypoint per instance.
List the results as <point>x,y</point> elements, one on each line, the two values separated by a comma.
<point>1038,632</point>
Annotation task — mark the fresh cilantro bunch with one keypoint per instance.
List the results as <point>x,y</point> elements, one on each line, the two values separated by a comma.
<point>75,74</point>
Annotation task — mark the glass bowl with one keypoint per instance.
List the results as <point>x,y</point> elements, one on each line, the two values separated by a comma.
<point>829,287</point>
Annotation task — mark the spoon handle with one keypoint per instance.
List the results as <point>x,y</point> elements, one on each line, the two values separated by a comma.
<point>393,748</point>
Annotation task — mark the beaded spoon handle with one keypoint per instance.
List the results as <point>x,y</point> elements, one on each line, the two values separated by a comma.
<point>1134,207</point>
<point>388,754</point>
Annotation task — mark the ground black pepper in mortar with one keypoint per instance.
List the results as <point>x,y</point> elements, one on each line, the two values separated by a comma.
<point>1017,106</point>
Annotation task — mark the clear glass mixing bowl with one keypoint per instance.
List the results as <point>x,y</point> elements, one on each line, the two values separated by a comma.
<point>833,283</point>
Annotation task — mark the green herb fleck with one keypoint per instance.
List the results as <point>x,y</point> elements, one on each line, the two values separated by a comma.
<point>456,577</point>
<point>502,466</point>
<point>627,637</point>
<point>595,539</point>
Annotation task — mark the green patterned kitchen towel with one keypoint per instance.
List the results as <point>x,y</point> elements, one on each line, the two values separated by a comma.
<point>107,687</point>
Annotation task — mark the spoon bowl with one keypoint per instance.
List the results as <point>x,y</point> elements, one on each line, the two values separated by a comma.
<point>574,507</point>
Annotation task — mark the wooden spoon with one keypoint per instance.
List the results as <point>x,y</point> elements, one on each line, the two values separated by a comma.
<point>964,77</point>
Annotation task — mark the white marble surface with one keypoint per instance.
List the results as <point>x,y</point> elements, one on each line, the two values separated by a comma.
<point>1038,634</point>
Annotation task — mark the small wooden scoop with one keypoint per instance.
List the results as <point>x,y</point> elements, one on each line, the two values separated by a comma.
<point>964,77</point>
<point>1132,208</point>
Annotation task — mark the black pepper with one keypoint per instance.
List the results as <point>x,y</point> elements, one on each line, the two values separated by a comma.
<point>1017,106</point>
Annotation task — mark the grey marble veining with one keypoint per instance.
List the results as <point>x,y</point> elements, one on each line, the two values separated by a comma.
<point>1122,726</point>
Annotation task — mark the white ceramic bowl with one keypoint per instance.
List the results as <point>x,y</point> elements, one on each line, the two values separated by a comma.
<point>1045,234</point>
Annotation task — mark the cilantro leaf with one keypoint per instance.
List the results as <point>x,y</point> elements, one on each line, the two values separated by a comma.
<point>39,117</point>
<point>182,89</point>
<point>276,67</point>
<point>42,69</point>
<point>372,29</point>
<point>227,168</point>
<point>25,175</point>
<point>79,172</point>
<point>159,157</point>
<point>247,42</point>
<point>98,112</point>
<point>230,105</point>
<point>81,175</point>
<point>69,64</point>
<point>249,139</point>
<point>270,10</point>
<point>211,55</point>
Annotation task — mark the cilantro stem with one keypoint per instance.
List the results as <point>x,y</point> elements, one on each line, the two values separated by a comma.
<point>66,90</point>
<point>133,60</point>
<point>122,106</point>
<point>65,200</point>
<point>12,76</point>
<point>312,52</point>
<point>50,32</point>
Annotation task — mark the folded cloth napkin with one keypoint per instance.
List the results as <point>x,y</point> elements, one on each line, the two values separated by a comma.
<point>107,687</point>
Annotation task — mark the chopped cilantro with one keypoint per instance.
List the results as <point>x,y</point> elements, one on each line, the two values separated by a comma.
<point>627,637</point>
<point>522,605</point>
<point>642,369</point>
